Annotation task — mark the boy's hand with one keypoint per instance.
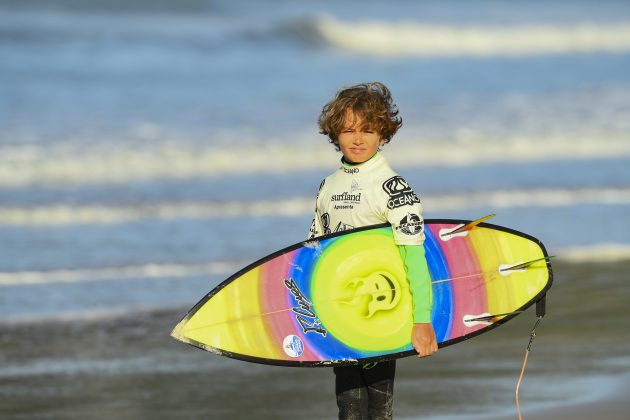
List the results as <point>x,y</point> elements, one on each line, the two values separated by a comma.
<point>423,339</point>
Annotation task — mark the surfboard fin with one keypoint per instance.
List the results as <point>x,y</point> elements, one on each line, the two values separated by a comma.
<point>489,318</point>
<point>468,226</point>
<point>526,265</point>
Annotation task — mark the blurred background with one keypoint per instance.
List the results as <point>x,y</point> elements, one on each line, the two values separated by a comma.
<point>150,149</point>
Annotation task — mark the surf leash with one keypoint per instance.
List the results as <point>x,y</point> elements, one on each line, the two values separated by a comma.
<point>540,313</point>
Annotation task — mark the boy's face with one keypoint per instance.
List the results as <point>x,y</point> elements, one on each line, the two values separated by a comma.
<point>358,143</point>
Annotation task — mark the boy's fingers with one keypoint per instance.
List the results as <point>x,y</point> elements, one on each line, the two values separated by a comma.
<point>427,350</point>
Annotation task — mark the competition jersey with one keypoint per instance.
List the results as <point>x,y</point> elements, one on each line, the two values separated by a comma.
<point>367,194</point>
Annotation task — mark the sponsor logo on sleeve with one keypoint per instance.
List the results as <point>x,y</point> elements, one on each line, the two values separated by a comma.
<point>411,224</point>
<point>400,193</point>
<point>320,189</point>
<point>325,220</point>
<point>312,232</point>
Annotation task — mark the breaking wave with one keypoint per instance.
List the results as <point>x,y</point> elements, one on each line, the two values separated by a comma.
<point>211,31</point>
<point>145,271</point>
<point>44,166</point>
<point>432,40</point>
<point>66,215</point>
<point>601,253</point>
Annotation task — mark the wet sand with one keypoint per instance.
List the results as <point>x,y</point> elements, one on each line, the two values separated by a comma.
<point>614,405</point>
<point>617,409</point>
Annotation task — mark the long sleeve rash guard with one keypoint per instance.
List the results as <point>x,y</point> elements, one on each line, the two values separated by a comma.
<point>371,193</point>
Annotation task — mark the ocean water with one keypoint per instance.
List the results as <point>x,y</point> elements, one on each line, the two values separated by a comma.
<point>149,149</point>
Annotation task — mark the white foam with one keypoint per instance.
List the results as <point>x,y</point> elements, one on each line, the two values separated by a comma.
<point>117,273</point>
<point>156,363</point>
<point>543,197</point>
<point>430,40</point>
<point>91,164</point>
<point>600,253</point>
<point>68,164</point>
<point>66,215</point>
<point>60,215</point>
<point>88,315</point>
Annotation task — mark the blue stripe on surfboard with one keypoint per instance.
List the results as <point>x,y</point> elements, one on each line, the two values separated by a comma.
<point>327,347</point>
<point>442,292</point>
<point>332,349</point>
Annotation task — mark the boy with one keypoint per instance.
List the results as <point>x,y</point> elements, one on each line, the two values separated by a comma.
<point>366,191</point>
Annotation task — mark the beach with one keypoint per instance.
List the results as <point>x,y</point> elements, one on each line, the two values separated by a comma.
<point>615,409</point>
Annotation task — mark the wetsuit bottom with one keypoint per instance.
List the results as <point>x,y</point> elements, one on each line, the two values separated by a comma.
<point>365,393</point>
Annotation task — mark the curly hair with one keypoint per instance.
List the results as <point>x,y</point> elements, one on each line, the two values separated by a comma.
<point>371,101</point>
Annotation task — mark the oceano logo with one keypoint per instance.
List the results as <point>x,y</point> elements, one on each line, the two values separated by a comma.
<point>402,200</point>
<point>400,193</point>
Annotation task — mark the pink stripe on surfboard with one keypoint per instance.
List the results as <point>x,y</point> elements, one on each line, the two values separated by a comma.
<point>275,299</point>
<point>469,290</point>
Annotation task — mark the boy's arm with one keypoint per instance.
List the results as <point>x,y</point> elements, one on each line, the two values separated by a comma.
<point>419,281</point>
<point>423,336</point>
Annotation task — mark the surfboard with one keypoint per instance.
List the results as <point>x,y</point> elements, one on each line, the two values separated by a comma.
<point>344,299</point>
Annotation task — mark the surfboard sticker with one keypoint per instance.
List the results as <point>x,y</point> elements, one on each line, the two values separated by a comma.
<point>293,345</point>
<point>344,298</point>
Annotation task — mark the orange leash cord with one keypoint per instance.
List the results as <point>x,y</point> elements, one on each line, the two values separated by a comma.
<point>527,350</point>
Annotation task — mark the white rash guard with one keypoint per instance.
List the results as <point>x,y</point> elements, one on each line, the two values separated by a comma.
<point>367,194</point>
<point>372,193</point>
